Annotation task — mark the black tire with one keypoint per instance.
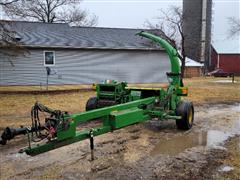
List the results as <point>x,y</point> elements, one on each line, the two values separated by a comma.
<point>186,110</point>
<point>91,103</point>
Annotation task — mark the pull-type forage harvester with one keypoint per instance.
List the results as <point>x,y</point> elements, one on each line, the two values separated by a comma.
<point>115,106</point>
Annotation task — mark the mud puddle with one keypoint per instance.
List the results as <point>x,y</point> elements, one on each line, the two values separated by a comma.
<point>176,145</point>
<point>221,122</point>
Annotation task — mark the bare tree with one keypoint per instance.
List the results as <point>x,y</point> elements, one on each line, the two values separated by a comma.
<point>235,26</point>
<point>49,11</point>
<point>9,41</point>
<point>10,45</point>
<point>74,17</point>
<point>7,2</point>
<point>169,26</point>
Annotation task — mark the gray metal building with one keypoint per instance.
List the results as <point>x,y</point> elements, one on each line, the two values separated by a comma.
<point>197,17</point>
<point>82,55</point>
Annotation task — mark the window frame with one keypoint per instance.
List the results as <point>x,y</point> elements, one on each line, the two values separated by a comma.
<point>44,58</point>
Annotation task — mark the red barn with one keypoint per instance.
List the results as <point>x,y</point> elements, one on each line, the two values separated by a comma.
<point>228,61</point>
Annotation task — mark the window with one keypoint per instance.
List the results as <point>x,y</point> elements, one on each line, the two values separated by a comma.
<point>49,58</point>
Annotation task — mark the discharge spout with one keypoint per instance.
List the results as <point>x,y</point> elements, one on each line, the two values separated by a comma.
<point>171,51</point>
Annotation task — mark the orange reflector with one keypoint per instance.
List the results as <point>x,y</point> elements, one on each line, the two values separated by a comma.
<point>183,90</point>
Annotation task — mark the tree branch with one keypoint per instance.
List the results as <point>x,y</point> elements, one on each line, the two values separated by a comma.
<point>169,27</point>
<point>50,11</point>
<point>4,3</point>
<point>234,26</point>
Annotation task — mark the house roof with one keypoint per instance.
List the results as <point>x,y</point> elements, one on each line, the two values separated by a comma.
<point>191,63</point>
<point>229,46</point>
<point>60,35</point>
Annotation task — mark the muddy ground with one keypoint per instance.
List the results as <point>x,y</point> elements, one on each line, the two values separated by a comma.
<point>150,150</point>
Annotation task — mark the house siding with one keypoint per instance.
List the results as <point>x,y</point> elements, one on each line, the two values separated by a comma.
<point>86,66</point>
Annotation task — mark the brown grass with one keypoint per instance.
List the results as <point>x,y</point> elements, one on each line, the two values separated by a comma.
<point>15,108</point>
<point>210,90</point>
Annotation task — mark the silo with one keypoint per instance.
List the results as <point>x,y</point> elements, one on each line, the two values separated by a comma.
<point>197,17</point>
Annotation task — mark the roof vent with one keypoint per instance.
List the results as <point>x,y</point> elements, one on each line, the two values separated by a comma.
<point>17,37</point>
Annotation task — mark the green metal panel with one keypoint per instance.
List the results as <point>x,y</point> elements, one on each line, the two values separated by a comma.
<point>55,143</point>
<point>119,119</point>
<point>68,133</point>
<point>93,114</point>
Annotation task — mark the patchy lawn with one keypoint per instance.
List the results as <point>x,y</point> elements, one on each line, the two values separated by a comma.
<point>15,108</point>
<point>213,90</point>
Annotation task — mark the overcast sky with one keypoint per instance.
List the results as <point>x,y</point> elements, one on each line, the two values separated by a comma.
<point>133,14</point>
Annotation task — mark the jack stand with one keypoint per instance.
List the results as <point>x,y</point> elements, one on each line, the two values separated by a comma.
<point>91,144</point>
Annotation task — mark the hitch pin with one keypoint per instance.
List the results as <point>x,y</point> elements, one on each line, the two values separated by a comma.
<point>29,141</point>
<point>91,144</point>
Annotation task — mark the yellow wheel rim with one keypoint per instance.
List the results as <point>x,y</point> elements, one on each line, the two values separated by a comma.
<point>190,116</point>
